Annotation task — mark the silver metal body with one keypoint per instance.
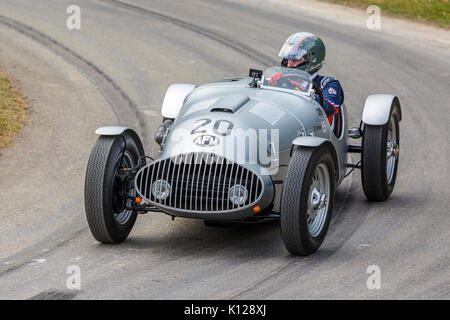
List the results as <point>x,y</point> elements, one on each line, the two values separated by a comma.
<point>377,109</point>
<point>220,142</point>
<point>221,113</point>
<point>174,98</point>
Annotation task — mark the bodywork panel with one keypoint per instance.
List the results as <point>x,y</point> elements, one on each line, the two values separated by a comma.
<point>253,127</point>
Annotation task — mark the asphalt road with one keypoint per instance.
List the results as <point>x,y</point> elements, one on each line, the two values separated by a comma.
<point>116,68</point>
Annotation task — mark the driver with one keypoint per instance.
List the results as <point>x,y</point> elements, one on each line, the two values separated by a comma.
<point>306,52</point>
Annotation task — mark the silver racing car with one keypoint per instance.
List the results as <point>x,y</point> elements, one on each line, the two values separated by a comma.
<point>243,150</point>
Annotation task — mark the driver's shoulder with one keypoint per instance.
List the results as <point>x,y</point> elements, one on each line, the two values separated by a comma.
<point>322,81</point>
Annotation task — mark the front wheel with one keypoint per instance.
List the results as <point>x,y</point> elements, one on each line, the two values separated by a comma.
<point>307,200</point>
<point>107,191</point>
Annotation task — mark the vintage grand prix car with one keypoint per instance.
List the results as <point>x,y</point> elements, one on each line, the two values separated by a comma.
<point>243,150</point>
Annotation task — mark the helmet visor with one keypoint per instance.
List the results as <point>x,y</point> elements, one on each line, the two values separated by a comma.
<point>291,51</point>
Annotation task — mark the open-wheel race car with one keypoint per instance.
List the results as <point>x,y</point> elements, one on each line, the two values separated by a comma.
<point>243,150</point>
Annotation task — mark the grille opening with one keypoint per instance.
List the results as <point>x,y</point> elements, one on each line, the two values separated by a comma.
<point>199,182</point>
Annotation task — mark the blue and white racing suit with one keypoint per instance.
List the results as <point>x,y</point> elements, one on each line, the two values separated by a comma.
<point>333,95</point>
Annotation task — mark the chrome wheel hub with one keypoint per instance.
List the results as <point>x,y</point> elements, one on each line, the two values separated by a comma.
<point>318,200</point>
<point>392,150</point>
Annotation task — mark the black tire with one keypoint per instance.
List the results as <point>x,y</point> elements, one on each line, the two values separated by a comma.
<point>295,200</point>
<point>108,221</point>
<point>376,184</point>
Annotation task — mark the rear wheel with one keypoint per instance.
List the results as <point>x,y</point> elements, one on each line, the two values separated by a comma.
<point>107,191</point>
<point>307,200</point>
<point>379,159</point>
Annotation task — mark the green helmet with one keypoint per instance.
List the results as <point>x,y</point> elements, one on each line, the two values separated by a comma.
<point>305,47</point>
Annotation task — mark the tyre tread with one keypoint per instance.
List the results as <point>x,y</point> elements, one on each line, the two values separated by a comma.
<point>95,174</point>
<point>294,232</point>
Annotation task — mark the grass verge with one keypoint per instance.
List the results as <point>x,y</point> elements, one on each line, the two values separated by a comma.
<point>13,111</point>
<point>435,11</point>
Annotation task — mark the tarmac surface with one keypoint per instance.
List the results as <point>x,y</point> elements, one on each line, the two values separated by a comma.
<point>115,70</point>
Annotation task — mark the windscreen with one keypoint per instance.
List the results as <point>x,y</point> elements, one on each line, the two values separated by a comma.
<point>287,78</point>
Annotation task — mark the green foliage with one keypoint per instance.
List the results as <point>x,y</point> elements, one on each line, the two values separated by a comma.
<point>437,11</point>
<point>12,111</point>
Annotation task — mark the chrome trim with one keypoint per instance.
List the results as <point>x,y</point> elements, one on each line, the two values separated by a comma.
<point>187,175</point>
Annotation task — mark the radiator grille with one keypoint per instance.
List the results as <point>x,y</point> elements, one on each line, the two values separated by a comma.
<point>198,182</point>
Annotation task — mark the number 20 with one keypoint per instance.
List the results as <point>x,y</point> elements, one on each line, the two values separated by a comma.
<point>216,127</point>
